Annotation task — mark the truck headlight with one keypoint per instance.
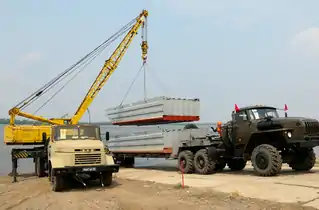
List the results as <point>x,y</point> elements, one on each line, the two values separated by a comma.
<point>289,134</point>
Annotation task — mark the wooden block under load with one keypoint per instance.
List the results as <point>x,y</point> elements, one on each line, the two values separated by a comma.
<point>158,110</point>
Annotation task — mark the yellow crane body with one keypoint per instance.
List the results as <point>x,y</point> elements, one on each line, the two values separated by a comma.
<point>32,134</point>
<point>25,134</point>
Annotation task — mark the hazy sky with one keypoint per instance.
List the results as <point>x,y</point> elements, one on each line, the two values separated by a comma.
<point>223,52</point>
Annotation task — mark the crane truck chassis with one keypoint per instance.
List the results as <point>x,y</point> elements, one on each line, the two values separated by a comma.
<point>255,133</point>
<point>71,151</point>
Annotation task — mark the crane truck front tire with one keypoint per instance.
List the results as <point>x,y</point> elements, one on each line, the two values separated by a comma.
<point>266,160</point>
<point>106,179</point>
<point>57,182</point>
<point>186,161</point>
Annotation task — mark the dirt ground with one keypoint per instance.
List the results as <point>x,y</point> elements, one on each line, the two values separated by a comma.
<point>34,193</point>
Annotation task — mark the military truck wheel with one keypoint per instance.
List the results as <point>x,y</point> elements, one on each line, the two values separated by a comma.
<point>57,182</point>
<point>202,164</point>
<point>304,161</point>
<point>220,165</point>
<point>266,160</point>
<point>106,179</point>
<point>236,164</point>
<point>186,159</point>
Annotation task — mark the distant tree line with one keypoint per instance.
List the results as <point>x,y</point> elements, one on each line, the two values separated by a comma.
<point>5,121</point>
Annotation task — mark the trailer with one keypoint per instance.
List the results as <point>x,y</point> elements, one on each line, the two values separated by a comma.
<point>166,143</point>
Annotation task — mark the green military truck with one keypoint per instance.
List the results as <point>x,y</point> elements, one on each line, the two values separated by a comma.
<point>257,133</point>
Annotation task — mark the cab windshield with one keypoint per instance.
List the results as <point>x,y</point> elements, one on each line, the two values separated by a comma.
<point>262,113</point>
<point>77,133</point>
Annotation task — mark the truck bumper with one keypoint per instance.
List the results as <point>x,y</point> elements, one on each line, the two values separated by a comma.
<point>85,169</point>
<point>307,142</point>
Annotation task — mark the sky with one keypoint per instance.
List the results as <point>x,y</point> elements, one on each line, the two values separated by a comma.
<point>222,52</point>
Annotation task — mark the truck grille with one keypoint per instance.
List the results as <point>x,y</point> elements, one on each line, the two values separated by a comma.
<point>85,159</point>
<point>312,127</point>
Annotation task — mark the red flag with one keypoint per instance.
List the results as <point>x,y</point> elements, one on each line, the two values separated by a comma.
<point>286,107</point>
<point>236,108</point>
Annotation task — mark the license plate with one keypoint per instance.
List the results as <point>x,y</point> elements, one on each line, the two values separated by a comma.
<point>89,169</point>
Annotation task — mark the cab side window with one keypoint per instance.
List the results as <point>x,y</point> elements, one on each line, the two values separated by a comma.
<point>241,116</point>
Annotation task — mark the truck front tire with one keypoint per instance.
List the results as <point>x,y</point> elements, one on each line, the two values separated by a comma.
<point>106,179</point>
<point>266,160</point>
<point>202,163</point>
<point>304,161</point>
<point>186,160</point>
<point>57,182</point>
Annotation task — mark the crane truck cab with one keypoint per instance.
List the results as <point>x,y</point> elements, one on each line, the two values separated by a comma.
<point>78,151</point>
<point>257,133</point>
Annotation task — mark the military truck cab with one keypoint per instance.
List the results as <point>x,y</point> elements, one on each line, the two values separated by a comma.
<point>77,151</point>
<point>259,134</point>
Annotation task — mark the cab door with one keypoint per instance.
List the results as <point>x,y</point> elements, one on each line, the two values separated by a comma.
<point>240,132</point>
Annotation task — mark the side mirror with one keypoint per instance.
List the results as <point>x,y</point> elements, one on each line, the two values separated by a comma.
<point>107,136</point>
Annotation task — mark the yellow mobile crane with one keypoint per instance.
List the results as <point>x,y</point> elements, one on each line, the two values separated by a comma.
<point>47,135</point>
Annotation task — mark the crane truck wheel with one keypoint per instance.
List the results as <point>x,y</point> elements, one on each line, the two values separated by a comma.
<point>202,163</point>
<point>186,161</point>
<point>236,164</point>
<point>266,160</point>
<point>57,182</point>
<point>106,179</point>
<point>304,161</point>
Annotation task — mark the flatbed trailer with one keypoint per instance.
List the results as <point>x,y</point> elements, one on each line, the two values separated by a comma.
<point>167,143</point>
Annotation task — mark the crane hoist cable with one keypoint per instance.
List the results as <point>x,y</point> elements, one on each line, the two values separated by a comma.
<point>144,48</point>
<point>92,55</point>
<point>30,99</point>
<point>83,62</point>
<point>76,74</point>
<point>110,65</point>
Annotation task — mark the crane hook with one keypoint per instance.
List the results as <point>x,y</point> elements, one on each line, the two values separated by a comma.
<point>144,47</point>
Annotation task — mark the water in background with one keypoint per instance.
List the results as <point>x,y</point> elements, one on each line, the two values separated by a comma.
<point>26,165</point>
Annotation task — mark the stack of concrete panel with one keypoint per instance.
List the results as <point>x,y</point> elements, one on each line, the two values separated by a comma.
<point>162,142</point>
<point>156,110</point>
